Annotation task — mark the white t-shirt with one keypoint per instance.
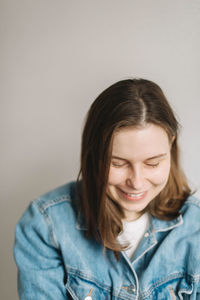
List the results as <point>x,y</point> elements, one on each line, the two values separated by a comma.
<point>133,233</point>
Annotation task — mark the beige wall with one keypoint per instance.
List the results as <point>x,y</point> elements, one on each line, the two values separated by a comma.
<point>56,56</point>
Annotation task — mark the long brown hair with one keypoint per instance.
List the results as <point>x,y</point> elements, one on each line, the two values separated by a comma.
<point>132,102</point>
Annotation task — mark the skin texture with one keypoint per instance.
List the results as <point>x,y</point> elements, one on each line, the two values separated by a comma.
<point>139,169</point>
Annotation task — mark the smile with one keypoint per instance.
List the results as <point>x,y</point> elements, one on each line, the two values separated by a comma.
<point>133,196</point>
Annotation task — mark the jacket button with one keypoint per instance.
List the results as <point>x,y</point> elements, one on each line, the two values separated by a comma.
<point>146,234</point>
<point>131,289</point>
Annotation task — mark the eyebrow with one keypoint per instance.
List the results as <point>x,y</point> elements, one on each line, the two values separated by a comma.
<point>157,156</point>
<point>149,158</point>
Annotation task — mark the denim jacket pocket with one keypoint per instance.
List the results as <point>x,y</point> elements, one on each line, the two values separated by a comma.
<point>177,289</point>
<point>83,287</point>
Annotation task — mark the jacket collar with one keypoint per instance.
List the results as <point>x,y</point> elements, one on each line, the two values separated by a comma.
<point>157,225</point>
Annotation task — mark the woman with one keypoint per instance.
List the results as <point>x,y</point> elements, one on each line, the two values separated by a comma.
<point>128,228</point>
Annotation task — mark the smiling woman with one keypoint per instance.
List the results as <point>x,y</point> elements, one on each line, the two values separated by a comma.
<point>126,227</point>
<point>137,177</point>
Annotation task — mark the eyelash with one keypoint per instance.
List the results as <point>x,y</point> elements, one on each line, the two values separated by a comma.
<point>117,165</point>
<point>153,165</point>
<point>122,165</point>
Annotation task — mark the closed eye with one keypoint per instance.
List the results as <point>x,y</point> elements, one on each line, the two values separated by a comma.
<point>153,165</point>
<point>118,164</point>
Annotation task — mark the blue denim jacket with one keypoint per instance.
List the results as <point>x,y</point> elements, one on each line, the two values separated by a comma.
<point>56,261</point>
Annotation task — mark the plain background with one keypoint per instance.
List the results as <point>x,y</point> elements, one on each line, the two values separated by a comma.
<point>56,57</point>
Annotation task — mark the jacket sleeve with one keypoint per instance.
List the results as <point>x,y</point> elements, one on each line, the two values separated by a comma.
<point>40,267</point>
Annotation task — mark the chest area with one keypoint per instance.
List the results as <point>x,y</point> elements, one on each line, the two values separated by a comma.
<point>100,276</point>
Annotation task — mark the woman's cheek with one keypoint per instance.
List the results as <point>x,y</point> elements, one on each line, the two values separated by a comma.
<point>116,176</point>
<point>160,175</point>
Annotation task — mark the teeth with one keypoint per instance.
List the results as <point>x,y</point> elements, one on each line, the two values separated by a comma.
<point>135,195</point>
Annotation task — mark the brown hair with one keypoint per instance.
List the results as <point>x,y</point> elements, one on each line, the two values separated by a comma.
<point>132,102</point>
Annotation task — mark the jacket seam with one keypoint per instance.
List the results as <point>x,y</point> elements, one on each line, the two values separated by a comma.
<point>88,278</point>
<point>44,206</point>
<point>49,224</point>
<point>92,280</point>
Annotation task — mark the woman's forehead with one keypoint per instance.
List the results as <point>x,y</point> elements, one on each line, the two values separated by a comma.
<point>150,140</point>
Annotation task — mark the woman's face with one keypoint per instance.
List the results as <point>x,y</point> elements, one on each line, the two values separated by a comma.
<point>140,166</point>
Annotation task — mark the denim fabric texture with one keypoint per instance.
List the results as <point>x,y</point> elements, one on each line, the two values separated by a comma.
<point>56,261</point>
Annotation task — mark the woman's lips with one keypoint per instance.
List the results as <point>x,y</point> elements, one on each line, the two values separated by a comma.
<point>133,196</point>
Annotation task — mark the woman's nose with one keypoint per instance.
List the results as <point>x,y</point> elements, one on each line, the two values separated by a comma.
<point>135,179</point>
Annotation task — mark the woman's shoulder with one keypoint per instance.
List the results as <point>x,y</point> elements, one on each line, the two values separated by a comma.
<point>55,206</point>
<point>62,195</point>
<point>192,203</point>
<point>190,212</point>
<point>50,215</point>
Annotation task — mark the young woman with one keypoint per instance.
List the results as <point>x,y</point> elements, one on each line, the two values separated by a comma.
<point>129,228</point>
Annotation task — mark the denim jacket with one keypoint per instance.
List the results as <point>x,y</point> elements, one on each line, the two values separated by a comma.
<point>56,261</point>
